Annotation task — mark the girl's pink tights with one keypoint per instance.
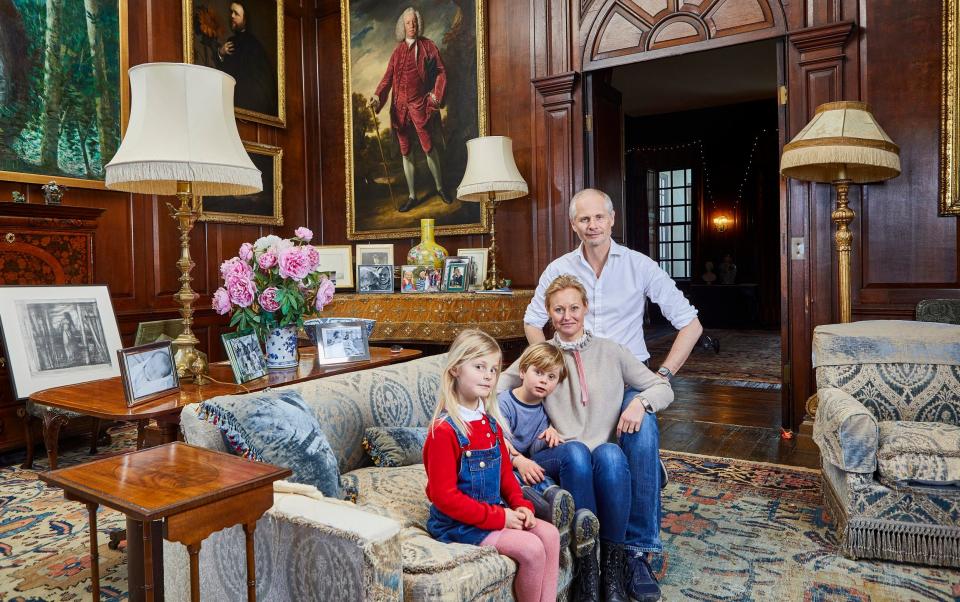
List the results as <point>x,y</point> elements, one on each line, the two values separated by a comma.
<point>537,553</point>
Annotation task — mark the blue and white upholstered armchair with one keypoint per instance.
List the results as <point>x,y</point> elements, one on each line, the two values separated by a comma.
<point>888,427</point>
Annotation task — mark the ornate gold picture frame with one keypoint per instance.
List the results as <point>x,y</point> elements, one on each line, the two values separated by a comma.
<point>247,45</point>
<point>89,73</point>
<point>419,140</point>
<point>264,207</point>
<point>950,111</point>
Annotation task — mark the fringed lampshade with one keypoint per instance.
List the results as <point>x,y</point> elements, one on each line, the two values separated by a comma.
<point>491,176</point>
<point>842,144</point>
<point>182,139</point>
<point>182,129</point>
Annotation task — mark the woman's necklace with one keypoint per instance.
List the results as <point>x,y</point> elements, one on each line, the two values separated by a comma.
<point>573,345</point>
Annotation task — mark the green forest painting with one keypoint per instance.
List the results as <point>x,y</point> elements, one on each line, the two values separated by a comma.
<point>62,63</point>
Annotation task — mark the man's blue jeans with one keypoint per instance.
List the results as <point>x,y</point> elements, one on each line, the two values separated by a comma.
<point>619,483</point>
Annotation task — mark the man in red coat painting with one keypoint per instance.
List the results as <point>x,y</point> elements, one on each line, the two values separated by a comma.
<point>417,78</point>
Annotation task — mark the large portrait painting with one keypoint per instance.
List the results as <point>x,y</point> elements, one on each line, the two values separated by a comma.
<point>264,207</point>
<point>63,89</point>
<point>950,112</point>
<point>414,93</point>
<point>244,39</point>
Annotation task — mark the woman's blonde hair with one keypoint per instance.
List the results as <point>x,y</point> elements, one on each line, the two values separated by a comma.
<point>469,345</point>
<point>561,283</point>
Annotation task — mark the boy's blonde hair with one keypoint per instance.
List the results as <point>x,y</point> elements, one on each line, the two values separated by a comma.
<point>469,345</point>
<point>563,282</point>
<point>544,356</point>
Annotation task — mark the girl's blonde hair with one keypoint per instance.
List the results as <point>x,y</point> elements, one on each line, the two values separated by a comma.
<point>469,345</point>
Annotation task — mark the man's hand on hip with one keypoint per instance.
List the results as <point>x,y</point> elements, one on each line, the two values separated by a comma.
<point>632,417</point>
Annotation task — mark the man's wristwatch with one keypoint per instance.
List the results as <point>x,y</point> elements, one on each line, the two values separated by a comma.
<point>665,373</point>
<point>646,405</point>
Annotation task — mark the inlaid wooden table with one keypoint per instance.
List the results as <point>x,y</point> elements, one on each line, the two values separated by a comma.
<point>104,399</point>
<point>193,490</point>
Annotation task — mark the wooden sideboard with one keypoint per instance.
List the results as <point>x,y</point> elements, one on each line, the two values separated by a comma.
<point>41,244</point>
<point>435,318</point>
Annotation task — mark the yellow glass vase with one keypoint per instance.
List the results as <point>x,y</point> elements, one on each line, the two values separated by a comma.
<point>428,252</point>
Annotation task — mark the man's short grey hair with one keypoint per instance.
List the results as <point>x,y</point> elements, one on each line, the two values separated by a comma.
<point>401,32</point>
<point>607,201</point>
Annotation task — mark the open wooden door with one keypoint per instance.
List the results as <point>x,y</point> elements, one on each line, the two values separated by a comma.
<point>604,143</point>
<point>786,371</point>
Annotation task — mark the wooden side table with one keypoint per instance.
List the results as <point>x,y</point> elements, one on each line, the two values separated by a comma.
<point>193,490</point>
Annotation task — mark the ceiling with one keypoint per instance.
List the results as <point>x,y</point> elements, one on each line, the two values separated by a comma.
<point>712,78</point>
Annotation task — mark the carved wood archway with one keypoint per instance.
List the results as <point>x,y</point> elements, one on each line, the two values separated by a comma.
<point>615,32</point>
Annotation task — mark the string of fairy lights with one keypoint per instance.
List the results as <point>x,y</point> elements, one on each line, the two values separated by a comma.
<point>705,166</point>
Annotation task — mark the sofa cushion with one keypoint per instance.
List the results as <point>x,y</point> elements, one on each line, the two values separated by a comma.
<point>398,493</point>
<point>391,446</point>
<point>276,426</point>
<point>919,453</point>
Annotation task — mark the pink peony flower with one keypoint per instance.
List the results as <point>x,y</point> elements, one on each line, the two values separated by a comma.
<point>235,268</point>
<point>294,263</point>
<point>246,251</point>
<point>304,234</point>
<point>313,257</point>
<point>267,260</point>
<point>324,293</point>
<point>242,291</point>
<point>221,301</point>
<point>268,299</point>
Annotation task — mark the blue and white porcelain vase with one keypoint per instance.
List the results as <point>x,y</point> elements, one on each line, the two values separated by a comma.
<point>282,348</point>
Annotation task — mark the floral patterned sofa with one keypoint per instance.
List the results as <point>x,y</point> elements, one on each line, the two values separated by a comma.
<point>376,548</point>
<point>888,428</point>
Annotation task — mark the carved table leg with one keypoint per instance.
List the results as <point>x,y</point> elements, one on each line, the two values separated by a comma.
<point>28,421</point>
<point>51,435</point>
<point>194,550</point>
<point>94,553</point>
<point>95,436</point>
<point>248,529</point>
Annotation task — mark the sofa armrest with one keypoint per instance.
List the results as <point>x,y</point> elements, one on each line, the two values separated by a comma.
<point>845,431</point>
<point>308,547</point>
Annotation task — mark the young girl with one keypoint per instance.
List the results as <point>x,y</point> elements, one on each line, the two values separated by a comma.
<point>468,472</point>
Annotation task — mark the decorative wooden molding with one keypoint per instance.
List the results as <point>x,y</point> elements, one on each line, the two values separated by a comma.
<point>561,84</point>
<point>833,36</point>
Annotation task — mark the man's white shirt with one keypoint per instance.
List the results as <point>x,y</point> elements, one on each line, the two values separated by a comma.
<point>617,298</point>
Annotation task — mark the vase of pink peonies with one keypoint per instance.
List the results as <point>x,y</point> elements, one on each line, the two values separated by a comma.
<point>270,286</point>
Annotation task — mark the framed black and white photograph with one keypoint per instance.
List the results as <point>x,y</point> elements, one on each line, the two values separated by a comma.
<point>478,269</point>
<point>337,259</point>
<point>343,342</point>
<point>375,278</point>
<point>246,356</point>
<point>375,254</point>
<point>58,335</point>
<point>456,274</point>
<point>148,372</point>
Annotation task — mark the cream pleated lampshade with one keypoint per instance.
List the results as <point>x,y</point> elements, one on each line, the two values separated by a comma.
<point>491,168</point>
<point>182,128</point>
<point>842,142</point>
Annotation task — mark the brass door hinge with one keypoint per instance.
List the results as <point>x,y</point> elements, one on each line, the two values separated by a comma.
<point>782,95</point>
<point>588,123</point>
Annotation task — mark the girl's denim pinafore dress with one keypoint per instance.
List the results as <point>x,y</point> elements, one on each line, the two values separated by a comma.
<point>479,477</point>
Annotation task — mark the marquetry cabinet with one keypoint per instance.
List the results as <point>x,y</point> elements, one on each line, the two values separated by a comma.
<point>40,244</point>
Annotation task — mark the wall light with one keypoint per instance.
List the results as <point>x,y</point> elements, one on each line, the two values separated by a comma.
<point>720,222</point>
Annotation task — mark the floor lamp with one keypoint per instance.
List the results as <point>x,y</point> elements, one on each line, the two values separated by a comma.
<point>842,145</point>
<point>492,176</point>
<point>182,140</point>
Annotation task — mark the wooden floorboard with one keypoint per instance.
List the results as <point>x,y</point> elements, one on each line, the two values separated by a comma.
<point>731,422</point>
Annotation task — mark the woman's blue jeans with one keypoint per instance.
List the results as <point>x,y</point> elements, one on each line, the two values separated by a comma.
<point>618,483</point>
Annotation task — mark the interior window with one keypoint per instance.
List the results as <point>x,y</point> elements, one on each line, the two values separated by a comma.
<point>674,222</point>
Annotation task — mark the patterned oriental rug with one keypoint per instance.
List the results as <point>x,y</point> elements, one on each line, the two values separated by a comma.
<point>747,358</point>
<point>732,530</point>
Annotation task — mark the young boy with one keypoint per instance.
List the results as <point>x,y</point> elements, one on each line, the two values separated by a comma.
<point>541,370</point>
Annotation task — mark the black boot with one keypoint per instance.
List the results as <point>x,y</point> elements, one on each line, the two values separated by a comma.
<point>587,578</point>
<point>612,572</point>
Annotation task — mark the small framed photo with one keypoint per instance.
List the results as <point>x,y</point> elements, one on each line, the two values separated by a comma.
<point>148,372</point>
<point>375,278</point>
<point>58,335</point>
<point>456,274</point>
<point>375,254</point>
<point>425,279</point>
<point>158,330</point>
<point>479,271</point>
<point>338,259</point>
<point>342,342</point>
<point>246,356</point>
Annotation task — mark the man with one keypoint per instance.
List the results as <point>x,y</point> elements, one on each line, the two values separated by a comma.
<point>618,281</point>
<point>244,58</point>
<point>417,78</point>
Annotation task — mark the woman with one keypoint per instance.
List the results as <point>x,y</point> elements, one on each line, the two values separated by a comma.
<point>609,460</point>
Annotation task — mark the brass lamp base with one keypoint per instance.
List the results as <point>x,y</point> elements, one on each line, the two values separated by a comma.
<point>494,279</point>
<point>191,363</point>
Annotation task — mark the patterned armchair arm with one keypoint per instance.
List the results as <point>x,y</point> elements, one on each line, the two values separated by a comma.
<point>845,431</point>
<point>308,547</point>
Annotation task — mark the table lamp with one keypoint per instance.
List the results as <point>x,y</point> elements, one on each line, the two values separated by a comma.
<point>842,144</point>
<point>492,176</point>
<point>182,140</point>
